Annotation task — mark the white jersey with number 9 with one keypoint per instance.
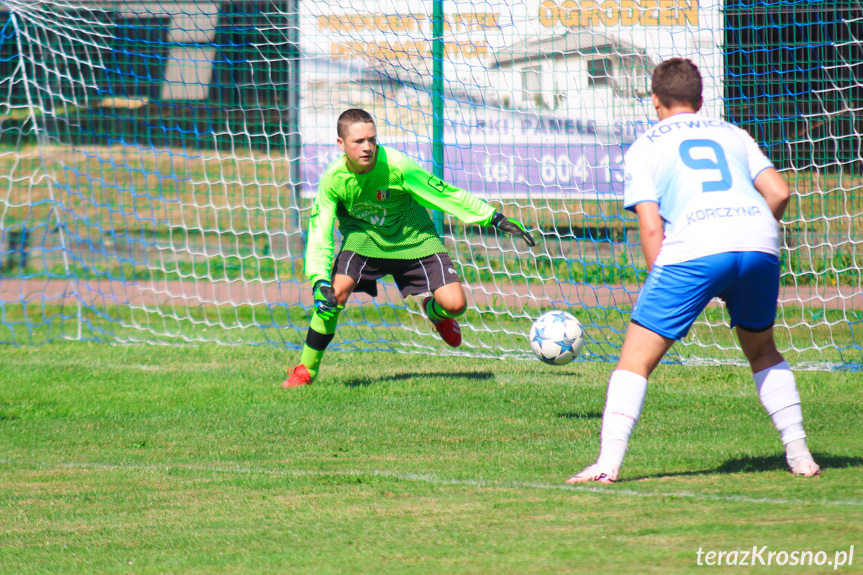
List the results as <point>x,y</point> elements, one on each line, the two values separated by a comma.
<point>700,171</point>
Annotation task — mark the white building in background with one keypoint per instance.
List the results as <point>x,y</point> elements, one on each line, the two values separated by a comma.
<point>585,70</point>
<point>326,82</point>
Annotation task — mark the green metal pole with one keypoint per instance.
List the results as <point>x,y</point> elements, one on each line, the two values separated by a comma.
<point>437,100</point>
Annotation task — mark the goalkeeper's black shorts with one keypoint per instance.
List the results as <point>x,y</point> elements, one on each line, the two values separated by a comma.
<point>413,277</point>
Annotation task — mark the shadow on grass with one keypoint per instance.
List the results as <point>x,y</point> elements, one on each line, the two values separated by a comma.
<point>763,463</point>
<point>367,381</point>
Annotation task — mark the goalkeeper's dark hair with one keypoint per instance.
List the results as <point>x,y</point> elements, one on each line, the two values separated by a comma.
<point>350,117</point>
<point>677,81</point>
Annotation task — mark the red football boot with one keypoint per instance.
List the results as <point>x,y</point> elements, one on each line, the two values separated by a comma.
<point>300,376</point>
<point>448,329</point>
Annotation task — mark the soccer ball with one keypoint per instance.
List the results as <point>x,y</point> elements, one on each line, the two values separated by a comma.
<point>556,337</point>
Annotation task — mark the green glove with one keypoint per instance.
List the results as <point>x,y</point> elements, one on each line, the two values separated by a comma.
<point>326,303</point>
<point>511,226</point>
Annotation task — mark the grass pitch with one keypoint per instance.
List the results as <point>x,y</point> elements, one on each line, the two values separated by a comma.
<point>151,459</point>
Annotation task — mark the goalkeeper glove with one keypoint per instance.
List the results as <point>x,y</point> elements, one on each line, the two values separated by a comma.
<point>326,303</point>
<point>511,226</point>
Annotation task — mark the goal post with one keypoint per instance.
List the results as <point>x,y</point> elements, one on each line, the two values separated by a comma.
<point>158,160</point>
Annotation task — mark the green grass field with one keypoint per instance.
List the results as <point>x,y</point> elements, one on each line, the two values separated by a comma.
<point>153,459</point>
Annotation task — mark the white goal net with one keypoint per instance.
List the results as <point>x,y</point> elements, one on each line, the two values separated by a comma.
<point>158,160</point>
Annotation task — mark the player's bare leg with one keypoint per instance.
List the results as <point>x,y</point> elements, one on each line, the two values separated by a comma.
<point>627,388</point>
<point>642,350</point>
<point>344,286</point>
<point>777,390</point>
<point>322,329</point>
<point>447,303</point>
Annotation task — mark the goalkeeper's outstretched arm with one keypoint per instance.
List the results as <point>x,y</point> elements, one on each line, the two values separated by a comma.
<point>432,192</point>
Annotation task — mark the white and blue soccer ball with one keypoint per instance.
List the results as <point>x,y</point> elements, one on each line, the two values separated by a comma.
<point>556,337</point>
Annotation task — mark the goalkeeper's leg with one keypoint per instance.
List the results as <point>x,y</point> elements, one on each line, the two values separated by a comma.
<point>320,334</point>
<point>447,303</point>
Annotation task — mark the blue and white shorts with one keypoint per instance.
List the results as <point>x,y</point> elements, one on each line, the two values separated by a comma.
<point>674,295</point>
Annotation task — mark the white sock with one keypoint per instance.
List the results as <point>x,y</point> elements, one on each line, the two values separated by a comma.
<point>797,451</point>
<point>623,403</point>
<point>777,390</point>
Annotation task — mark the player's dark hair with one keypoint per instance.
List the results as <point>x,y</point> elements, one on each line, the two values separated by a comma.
<point>350,117</point>
<point>677,81</point>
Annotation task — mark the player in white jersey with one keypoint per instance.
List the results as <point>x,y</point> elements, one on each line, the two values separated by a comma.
<point>708,204</point>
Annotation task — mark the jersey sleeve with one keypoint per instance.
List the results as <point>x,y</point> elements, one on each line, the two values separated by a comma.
<point>432,192</point>
<point>638,184</point>
<point>320,243</point>
<point>757,160</point>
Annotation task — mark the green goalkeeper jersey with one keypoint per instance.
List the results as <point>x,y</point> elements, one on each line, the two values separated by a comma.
<point>382,213</point>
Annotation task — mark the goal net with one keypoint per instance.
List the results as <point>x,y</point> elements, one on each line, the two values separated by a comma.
<point>158,161</point>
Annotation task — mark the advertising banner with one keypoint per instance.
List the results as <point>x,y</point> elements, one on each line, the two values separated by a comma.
<point>541,98</point>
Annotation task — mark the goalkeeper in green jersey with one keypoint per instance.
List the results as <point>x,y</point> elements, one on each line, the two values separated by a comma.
<point>379,197</point>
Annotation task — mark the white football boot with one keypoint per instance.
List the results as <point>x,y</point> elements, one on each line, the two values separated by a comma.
<point>806,468</point>
<point>594,473</point>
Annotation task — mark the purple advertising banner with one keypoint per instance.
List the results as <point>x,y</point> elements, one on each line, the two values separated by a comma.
<point>554,171</point>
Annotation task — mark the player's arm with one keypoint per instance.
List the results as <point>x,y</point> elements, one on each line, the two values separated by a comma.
<point>651,229</point>
<point>641,196</point>
<point>774,188</point>
<point>432,192</point>
<point>320,244</point>
<point>764,176</point>
<point>319,252</point>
